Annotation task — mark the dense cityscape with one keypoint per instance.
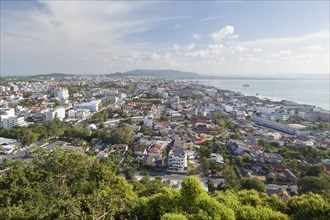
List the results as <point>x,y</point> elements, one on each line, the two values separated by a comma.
<point>164,110</point>
<point>157,132</point>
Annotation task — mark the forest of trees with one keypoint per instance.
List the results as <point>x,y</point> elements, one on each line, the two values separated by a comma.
<point>66,184</point>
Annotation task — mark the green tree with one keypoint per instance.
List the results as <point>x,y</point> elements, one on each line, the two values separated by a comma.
<point>205,152</point>
<point>253,183</point>
<point>173,216</point>
<point>206,166</point>
<point>308,206</point>
<point>231,179</point>
<point>191,191</point>
<point>28,137</point>
<point>313,184</point>
<point>210,185</point>
<point>124,134</point>
<point>314,170</point>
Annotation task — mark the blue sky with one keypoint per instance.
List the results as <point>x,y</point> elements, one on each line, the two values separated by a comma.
<point>214,37</point>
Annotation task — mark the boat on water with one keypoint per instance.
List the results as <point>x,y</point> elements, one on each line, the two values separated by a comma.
<point>246,85</point>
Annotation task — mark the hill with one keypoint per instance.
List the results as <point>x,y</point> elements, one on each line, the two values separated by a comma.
<point>158,73</point>
<point>54,75</point>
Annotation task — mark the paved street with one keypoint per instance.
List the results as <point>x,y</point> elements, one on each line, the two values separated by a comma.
<point>179,177</point>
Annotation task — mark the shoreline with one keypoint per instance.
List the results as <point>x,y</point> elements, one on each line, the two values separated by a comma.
<point>261,97</point>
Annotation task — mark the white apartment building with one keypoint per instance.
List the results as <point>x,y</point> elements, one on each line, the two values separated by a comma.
<point>122,95</point>
<point>148,121</point>
<point>177,159</point>
<point>211,92</point>
<point>71,113</point>
<point>83,113</point>
<point>14,88</point>
<point>163,95</point>
<point>229,108</point>
<point>38,95</point>
<point>112,91</point>
<point>324,115</point>
<point>9,122</point>
<point>268,109</point>
<point>56,113</point>
<point>92,106</point>
<point>308,115</point>
<point>7,112</point>
<point>3,88</point>
<point>61,93</point>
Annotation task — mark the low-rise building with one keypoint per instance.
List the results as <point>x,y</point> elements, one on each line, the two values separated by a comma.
<point>309,115</point>
<point>271,158</point>
<point>324,115</point>
<point>93,106</point>
<point>9,122</point>
<point>58,112</point>
<point>177,157</point>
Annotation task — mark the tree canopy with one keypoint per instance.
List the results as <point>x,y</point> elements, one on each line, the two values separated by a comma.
<point>67,184</point>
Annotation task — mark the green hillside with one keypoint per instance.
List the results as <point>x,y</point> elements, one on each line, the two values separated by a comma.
<point>66,184</point>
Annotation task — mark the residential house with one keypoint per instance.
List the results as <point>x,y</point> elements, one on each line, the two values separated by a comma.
<point>277,167</point>
<point>286,176</point>
<point>271,158</point>
<point>154,160</point>
<point>237,146</point>
<point>217,158</point>
<point>140,150</point>
<point>257,167</point>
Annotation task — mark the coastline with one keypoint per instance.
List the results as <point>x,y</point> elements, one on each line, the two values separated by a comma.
<point>313,96</point>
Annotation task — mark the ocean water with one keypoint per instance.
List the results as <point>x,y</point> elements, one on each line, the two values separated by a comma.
<point>313,92</point>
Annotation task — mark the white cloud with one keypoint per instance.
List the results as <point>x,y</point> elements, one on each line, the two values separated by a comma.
<point>213,50</point>
<point>316,47</point>
<point>323,35</point>
<point>176,47</point>
<point>84,59</point>
<point>282,53</point>
<point>223,33</point>
<point>208,18</point>
<point>248,59</point>
<point>136,55</point>
<point>190,46</point>
<point>155,56</point>
<point>98,37</point>
<point>186,47</point>
<point>197,36</point>
<point>240,48</point>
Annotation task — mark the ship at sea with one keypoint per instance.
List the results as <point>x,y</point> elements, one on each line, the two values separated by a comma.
<point>246,85</point>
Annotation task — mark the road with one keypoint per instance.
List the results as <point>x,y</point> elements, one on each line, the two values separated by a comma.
<point>284,187</point>
<point>177,177</point>
<point>181,177</point>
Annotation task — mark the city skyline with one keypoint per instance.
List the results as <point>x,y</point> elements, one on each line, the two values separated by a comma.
<point>210,38</point>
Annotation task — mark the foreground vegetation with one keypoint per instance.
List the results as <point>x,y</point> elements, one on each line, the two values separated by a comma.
<point>65,184</point>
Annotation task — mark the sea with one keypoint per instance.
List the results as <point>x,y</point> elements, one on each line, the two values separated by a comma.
<point>312,92</point>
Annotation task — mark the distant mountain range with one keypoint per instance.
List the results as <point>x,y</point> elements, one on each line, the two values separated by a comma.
<point>55,75</point>
<point>189,75</point>
<point>158,73</point>
<point>137,72</point>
